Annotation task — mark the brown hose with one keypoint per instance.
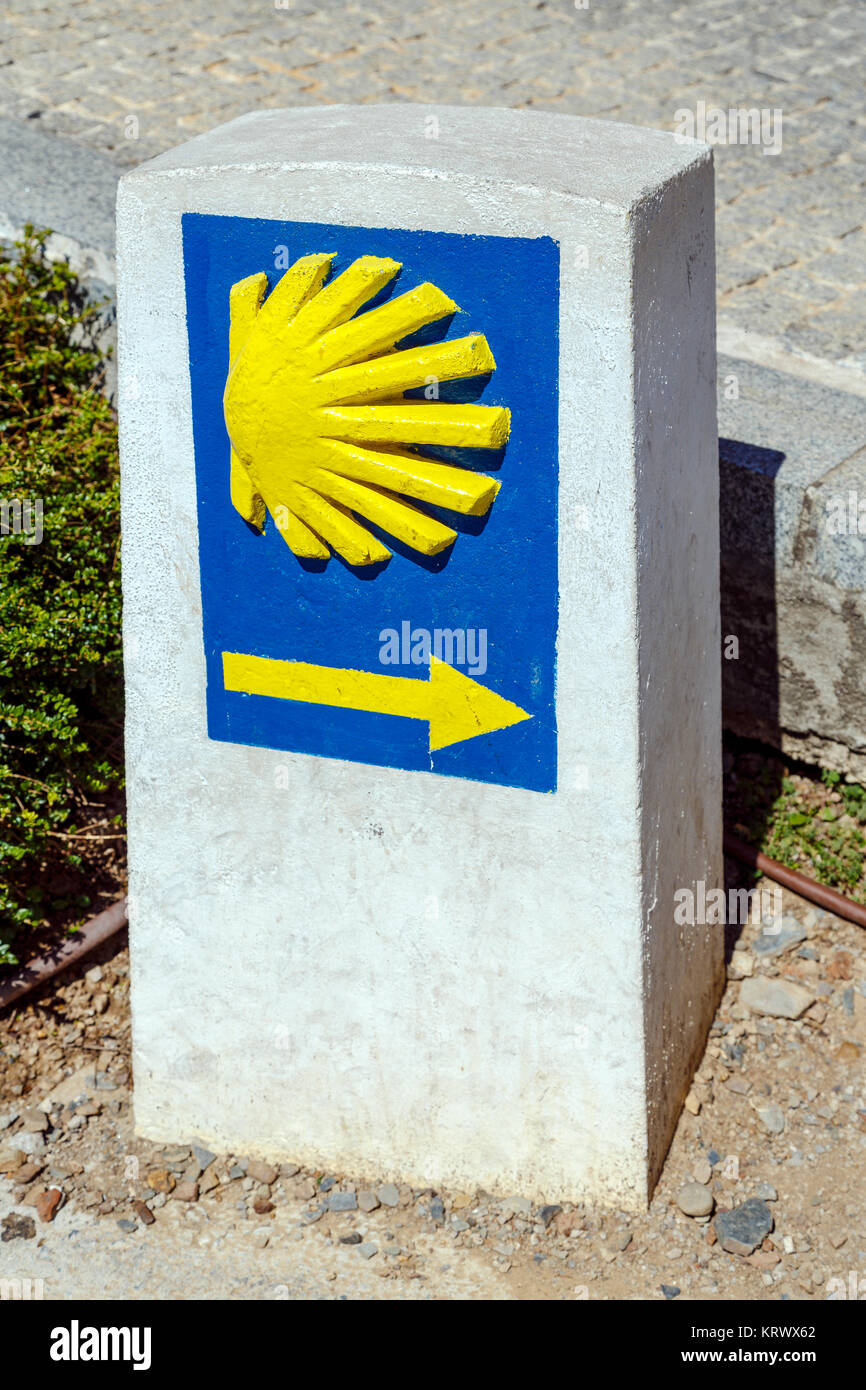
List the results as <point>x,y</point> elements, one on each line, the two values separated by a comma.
<point>93,933</point>
<point>827,898</point>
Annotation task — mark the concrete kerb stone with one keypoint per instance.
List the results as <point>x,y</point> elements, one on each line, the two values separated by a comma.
<point>793,543</point>
<point>54,183</point>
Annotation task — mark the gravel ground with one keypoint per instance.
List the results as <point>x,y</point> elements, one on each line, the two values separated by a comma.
<point>769,1159</point>
<point>133,79</point>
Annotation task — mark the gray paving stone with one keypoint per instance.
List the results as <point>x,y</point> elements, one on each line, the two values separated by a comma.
<point>183,68</point>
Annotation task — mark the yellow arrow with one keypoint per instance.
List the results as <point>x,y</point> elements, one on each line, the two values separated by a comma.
<point>455,706</point>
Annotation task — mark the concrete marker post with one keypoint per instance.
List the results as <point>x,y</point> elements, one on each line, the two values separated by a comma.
<point>401,906</point>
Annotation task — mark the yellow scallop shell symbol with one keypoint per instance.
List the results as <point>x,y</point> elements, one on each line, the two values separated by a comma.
<point>321,435</point>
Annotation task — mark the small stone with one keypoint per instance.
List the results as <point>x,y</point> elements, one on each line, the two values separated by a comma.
<point>763,1259</point>
<point>767,1192</point>
<point>28,1171</point>
<point>16,1227</point>
<point>701,1170</point>
<point>289,1170</point>
<point>144,1213</point>
<point>326,1184</point>
<point>740,966</point>
<point>848,1052</point>
<point>160,1180</point>
<point>546,1214</point>
<point>35,1120</point>
<point>342,1201</point>
<point>207,1182</point>
<point>7,1118</point>
<point>624,1240</point>
<point>670,1291</point>
<point>262,1205</point>
<point>388,1194</point>
<point>47,1203</point>
<point>739,1085</point>
<point>816,1013</point>
<point>516,1206</point>
<point>367,1249</point>
<point>94,975</point>
<point>179,1156</point>
<point>693,1104</point>
<point>186,1192</point>
<point>781,936</point>
<point>236,1172</point>
<point>261,1236</point>
<point>771,1118</point>
<point>776,997</point>
<point>838,1239</point>
<point>354,1238</point>
<point>742,1229</point>
<point>437,1210</point>
<point>203,1157</point>
<point>368,1201</point>
<point>694,1199</point>
<point>840,967</point>
<point>264,1173</point>
<point>126,1225</point>
<point>460,1201</point>
<point>566,1222</point>
<point>315,1215</point>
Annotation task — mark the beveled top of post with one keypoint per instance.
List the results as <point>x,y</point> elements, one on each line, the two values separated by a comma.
<point>598,161</point>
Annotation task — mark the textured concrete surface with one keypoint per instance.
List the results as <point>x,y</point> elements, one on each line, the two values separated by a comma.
<point>538,1036</point>
<point>792,455</point>
<point>136,79</point>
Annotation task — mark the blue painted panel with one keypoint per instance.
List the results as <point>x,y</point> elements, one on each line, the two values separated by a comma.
<point>258,599</point>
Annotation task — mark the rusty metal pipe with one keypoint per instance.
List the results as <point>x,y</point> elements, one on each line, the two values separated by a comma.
<point>825,897</point>
<point>92,934</point>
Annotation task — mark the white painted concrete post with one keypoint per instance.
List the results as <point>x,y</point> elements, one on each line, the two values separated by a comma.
<point>454,964</point>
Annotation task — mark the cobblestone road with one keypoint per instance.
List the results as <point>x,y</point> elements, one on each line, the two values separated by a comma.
<point>134,79</point>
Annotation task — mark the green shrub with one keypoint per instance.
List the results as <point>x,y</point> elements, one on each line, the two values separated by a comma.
<point>60,656</point>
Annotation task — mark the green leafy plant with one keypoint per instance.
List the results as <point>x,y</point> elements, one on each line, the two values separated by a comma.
<point>60,656</point>
<point>807,821</point>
